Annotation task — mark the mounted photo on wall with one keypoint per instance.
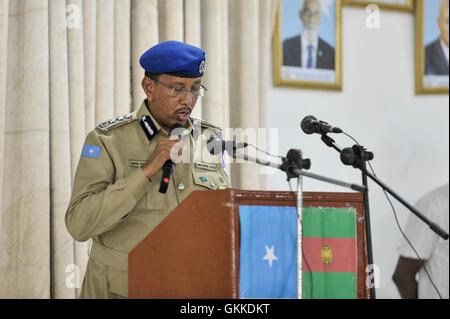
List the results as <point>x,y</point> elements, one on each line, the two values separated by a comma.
<point>395,5</point>
<point>432,33</point>
<point>307,44</point>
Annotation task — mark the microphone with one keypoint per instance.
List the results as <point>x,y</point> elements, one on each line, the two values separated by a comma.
<point>168,166</point>
<point>311,125</point>
<point>215,145</point>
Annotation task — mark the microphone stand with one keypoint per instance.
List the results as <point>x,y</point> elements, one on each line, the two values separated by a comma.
<point>297,172</point>
<point>357,156</point>
<point>293,164</point>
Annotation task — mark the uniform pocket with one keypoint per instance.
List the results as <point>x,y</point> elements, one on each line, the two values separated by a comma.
<point>135,163</point>
<point>118,281</point>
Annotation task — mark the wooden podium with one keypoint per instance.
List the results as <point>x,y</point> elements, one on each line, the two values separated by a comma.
<point>194,252</point>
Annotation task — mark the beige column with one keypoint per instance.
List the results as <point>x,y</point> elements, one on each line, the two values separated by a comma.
<point>267,14</point>
<point>77,128</point>
<point>76,77</point>
<point>171,19</point>
<point>224,32</point>
<point>192,22</point>
<point>25,219</point>
<point>192,35</point>
<point>122,48</point>
<point>60,163</point>
<point>214,42</point>
<point>144,34</point>
<point>4,5</point>
<point>104,84</point>
<point>89,28</point>
<point>244,68</point>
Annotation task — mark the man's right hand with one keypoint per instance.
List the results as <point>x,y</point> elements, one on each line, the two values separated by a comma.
<point>161,154</point>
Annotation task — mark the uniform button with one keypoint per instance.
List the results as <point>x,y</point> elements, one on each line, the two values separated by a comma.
<point>180,186</point>
<point>212,184</point>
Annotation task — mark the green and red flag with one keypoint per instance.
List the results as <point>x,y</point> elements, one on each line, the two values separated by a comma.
<point>329,253</point>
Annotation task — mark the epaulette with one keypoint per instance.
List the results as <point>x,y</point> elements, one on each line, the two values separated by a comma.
<point>116,122</point>
<point>205,124</point>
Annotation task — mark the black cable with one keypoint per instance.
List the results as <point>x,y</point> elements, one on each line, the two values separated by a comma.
<point>398,224</point>
<point>260,150</point>
<point>303,253</point>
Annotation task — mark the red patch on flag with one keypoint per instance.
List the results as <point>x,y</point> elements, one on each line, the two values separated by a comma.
<point>329,254</point>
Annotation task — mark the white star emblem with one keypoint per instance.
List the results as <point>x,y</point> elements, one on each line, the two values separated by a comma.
<point>91,151</point>
<point>270,255</point>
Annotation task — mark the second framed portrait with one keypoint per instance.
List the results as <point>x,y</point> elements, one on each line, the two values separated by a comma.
<point>395,5</point>
<point>307,44</point>
<point>432,39</point>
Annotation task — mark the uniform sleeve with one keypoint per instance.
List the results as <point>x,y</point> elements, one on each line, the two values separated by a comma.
<point>99,204</point>
<point>420,234</point>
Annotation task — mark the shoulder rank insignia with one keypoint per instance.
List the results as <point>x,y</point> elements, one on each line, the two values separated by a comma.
<point>116,122</point>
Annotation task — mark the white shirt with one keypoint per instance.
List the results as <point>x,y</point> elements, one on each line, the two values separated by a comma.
<point>445,50</point>
<point>431,248</point>
<point>309,38</point>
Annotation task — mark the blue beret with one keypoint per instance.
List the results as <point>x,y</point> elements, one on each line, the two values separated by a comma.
<point>175,58</point>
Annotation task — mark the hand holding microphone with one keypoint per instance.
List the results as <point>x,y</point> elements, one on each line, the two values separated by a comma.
<point>161,157</point>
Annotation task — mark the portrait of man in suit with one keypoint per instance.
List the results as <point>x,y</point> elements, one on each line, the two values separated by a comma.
<point>308,49</point>
<point>436,53</point>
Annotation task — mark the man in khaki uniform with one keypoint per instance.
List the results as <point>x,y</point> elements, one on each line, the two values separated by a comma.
<point>116,199</point>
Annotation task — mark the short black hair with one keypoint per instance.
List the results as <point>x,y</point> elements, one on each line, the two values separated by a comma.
<point>152,75</point>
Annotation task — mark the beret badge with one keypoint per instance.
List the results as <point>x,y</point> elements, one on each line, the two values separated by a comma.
<point>202,67</point>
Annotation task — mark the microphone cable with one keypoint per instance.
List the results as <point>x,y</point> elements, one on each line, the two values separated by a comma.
<point>263,151</point>
<point>398,224</point>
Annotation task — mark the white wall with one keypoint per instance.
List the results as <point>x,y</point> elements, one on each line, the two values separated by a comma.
<point>408,134</point>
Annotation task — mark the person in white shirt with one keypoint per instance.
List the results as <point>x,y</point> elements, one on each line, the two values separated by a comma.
<point>436,53</point>
<point>308,50</point>
<point>432,249</point>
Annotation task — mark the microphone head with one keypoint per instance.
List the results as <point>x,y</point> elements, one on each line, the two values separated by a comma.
<point>176,130</point>
<point>306,124</point>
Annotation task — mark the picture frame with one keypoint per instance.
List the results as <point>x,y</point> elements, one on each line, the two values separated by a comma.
<point>319,67</point>
<point>393,5</point>
<point>431,68</point>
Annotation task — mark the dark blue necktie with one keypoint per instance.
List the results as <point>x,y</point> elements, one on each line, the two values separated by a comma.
<point>309,64</point>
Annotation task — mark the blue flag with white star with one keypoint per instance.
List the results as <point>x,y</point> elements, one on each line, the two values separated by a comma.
<point>91,151</point>
<point>268,257</point>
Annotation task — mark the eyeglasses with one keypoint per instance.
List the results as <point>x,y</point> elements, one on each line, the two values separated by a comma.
<point>181,91</point>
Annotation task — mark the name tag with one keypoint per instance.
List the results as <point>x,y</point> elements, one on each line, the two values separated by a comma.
<point>136,163</point>
<point>207,166</point>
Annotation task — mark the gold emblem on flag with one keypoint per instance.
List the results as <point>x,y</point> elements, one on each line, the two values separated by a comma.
<point>326,254</point>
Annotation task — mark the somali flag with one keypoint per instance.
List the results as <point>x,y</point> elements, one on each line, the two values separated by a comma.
<point>268,259</point>
<point>268,256</point>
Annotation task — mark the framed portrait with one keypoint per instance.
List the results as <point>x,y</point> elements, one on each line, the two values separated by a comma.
<point>307,45</point>
<point>395,5</point>
<point>432,28</point>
